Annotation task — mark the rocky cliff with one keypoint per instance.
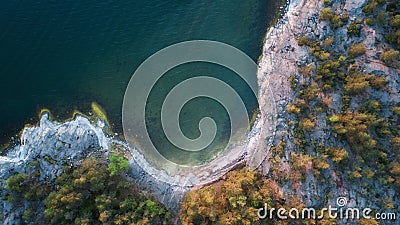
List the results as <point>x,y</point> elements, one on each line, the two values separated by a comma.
<point>293,70</point>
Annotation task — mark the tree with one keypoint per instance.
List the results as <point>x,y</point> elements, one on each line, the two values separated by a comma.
<point>15,183</point>
<point>234,200</point>
<point>293,109</point>
<point>354,29</point>
<point>395,21</point>
<point>357,83</point>
<point>391,58</point>
<point>337,154</point>
<point>326,14</point>
<point>378,82</point>
<point>307,125</point>
<point>328,42</point>
<point>88,194</point>
<point>395,168</point>
<point>117,164</point>
<point>357,50</point>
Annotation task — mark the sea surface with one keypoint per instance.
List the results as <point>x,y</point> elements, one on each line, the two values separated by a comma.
<point>63,55</point>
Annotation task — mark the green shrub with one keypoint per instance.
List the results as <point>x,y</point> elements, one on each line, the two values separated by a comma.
<point>15,183</point>
<point>328,42</point>
<point>395,21</point>
<point>326,14</point>
<point>293,109</point>
<point>357,83</point>
<point>370,22</point>
<point>337,154</point>
<point>307,125</point>
<point>378,82</point>
<point>357,50</point>
<point>88,194</point>
<point>394,38</point>
<point>354,29</point>
<point>117,164</point>
<point>391,58</point>
<point>355,175</point>
<point>334,118</point>
<point>303,41</point>
<point>370,7</point>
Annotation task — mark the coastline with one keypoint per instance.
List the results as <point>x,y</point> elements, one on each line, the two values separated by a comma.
<point>280,59</point>
<point>280,56</point>
<point>33,147</point>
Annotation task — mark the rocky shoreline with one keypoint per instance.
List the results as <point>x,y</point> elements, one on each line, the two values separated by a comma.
<point>54,144</point>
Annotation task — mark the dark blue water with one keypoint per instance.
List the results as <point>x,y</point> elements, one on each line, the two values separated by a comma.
<point>62,55</point>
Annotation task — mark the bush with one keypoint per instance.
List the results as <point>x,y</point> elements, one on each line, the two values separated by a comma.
<point>337,154</point>
<point>293,109</point>
<point>354,29</point>
<point>355,175</point>
<point>395,21</point>
<point>307,125</point>
<point>394,38</point>
<point>355,127</point>
<point>371,107</point>
<point>395,168</point>
<point>15,183</point>
<point>357,50</point>
<point>334,118</point>
<point>370,22</point>
<point>303,40</point>
<point>117,164</point>
<point>328,71</point>
<point>338,20</point>
<point>370,7</point>
<point>320,164</point>
<point>370,221</point>
<point>328,42</point>
<point>326,14</point>
<point>293,81</point>
<point>396,142</point>
<point>334,20</point>
<point>396,110</point>
<point>322,55</point>
<point>391,58</point>
<point>378,83</point>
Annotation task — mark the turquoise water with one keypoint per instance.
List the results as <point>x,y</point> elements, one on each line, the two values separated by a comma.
<point>62,55</point>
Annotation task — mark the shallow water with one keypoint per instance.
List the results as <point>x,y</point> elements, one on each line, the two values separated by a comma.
<point>62,55</point>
